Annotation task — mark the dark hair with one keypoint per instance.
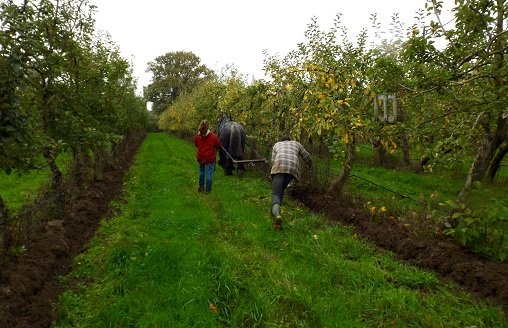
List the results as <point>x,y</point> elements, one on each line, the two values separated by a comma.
<point>285,137</point>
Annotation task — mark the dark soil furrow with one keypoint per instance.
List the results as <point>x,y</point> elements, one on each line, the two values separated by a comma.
<point>29,283</point>
<point>479,276</point>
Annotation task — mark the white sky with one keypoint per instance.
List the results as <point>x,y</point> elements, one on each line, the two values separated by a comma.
<point>225,32</point>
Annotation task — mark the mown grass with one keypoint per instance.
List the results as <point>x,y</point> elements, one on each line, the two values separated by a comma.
<point>175,258</point>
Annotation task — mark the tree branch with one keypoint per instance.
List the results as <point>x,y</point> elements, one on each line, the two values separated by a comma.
<point>439,116</point>
<point>438,17</point>
<point>466,81</point>
<point>418,94</point>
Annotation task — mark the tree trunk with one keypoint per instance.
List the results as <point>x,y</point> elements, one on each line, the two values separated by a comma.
<point>495,137</point>
<point>3,215</point>
<point>485,154</point>
<point>348,167</point>
<point>56,174</point>
<point>405,150</point>
<point>379,154</point>
<point>496,162</point>
<point>404,140</point>
<point>48,151</point>
<point>80,166</point>
<point>5,239</point>
<point>102,162</point>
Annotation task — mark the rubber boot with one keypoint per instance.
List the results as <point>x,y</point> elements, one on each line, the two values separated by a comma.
<point>277,218</point>
<point>276,210</point>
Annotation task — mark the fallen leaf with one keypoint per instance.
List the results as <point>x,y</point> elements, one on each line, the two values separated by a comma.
<point>213,307</point>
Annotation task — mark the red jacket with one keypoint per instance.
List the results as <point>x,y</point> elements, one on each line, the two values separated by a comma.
<point>206,147</point>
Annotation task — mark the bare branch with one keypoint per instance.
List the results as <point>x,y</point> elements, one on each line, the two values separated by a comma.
<point>418,93</point>
<point>438,117</point>
<point>464,82</point>
<point>438,17</point>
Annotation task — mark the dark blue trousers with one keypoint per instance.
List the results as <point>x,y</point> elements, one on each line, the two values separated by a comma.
<point>205,175</point>
<point>280,182</point>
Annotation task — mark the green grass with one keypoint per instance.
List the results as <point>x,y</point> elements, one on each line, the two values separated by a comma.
<point>175,258</point>
<point>424,201</point>
<point>17,190</point>
<point>385,187</point>
<point>20,189</point>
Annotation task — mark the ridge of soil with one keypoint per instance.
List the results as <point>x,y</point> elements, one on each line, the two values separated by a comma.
<point>482,278</point>
<point>29,283</point>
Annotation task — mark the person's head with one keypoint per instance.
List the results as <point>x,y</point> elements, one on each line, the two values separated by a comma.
<point>203,127</point>
<point>285,137</point>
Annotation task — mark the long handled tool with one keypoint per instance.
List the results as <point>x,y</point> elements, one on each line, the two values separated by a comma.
<point>257,160</point>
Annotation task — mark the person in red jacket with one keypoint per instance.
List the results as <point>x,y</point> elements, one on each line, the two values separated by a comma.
<point>207,142</point>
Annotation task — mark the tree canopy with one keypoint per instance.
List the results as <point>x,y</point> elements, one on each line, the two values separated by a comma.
<point>173,74</point>
<point>63,86</point>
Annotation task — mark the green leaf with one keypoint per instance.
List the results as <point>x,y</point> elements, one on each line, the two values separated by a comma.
<point>456,215</point>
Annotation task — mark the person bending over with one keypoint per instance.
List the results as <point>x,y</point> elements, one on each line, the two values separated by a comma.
<point>286,155</point>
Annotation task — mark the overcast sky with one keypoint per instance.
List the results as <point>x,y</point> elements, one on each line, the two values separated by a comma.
<point>225,32</point>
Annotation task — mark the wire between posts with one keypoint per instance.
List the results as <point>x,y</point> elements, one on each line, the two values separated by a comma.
<point>382,187</point>
<point>404,196</point>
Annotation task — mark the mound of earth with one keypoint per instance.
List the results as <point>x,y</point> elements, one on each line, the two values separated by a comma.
<point>476,274</point>
<point>29,283</point>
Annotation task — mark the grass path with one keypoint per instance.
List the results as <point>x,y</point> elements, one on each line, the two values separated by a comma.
<point>174,258</point>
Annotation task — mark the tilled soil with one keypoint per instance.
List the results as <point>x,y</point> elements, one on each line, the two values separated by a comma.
<point>482,278</point>
<point>30,282</point>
